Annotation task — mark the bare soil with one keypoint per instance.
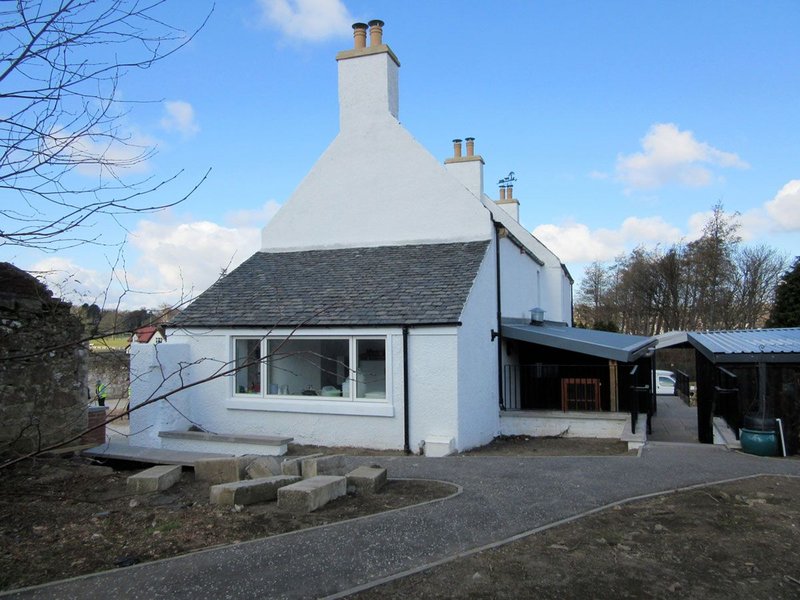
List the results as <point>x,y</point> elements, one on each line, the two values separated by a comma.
<point>739,540</point>
<point>524,445</point>
<point>62,517</point>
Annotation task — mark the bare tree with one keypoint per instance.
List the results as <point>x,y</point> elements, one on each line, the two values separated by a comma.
<point>60,68</point>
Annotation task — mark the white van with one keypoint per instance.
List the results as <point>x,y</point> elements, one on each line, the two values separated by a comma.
<point>665,383</point>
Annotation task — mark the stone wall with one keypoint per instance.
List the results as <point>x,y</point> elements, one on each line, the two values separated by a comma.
<point>43,366</point>
<point>112,367</point>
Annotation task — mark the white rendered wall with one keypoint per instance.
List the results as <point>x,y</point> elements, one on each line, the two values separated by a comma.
<point>554,292</point>
<point>521,280</point>
<point>433,384</point>
<point>478,403</point>
<point>307,420</point>
<point>157,369</point>
<point>376,187</point>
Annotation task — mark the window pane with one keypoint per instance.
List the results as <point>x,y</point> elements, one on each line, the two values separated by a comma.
<point>248,376</point>
<point>371,369</point>
<point>308,367</point>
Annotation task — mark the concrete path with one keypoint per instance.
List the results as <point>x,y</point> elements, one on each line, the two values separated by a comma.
<point>501,497</point>
<point>675,421</point>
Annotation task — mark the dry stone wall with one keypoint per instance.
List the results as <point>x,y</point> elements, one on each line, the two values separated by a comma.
<point>43,366</point>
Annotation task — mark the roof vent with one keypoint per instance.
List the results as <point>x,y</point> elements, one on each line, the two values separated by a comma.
<point>537,316</point>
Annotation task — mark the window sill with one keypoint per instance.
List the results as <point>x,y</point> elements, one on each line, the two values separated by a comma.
<point>317,406</point>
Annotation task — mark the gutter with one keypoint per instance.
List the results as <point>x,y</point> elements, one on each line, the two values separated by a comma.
<point>499,332</point>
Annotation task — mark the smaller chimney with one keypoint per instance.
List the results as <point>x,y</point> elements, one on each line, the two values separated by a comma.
<point>470,146</point>
<point>510,191</point>
<point>359,35</point>
<point>375,32</point>
<point>502,192</point>
<point>456,148</point>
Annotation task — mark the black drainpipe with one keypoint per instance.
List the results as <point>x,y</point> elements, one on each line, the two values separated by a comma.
<point>406,447</point>
<point>498,333</point>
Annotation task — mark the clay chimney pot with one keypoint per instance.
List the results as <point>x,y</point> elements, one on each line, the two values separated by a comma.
<point>375,32</point>
<point>470,146</point>
<point>457,148</point>
<point>360,35</point>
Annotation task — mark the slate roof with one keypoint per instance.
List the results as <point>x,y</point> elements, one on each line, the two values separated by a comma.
<point>386,285</point>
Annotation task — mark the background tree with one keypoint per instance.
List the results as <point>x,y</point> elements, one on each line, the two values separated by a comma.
<point>711,283</point>
<point>786,312</point>
<point>60,67</point>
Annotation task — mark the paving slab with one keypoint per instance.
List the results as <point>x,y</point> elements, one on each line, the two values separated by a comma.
<point>142,454</point>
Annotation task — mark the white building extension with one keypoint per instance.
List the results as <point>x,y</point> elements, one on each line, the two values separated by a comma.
<point>370,315</point>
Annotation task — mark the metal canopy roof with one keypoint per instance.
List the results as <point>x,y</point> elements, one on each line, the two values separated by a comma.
<point>613,346</point>
<point>748,345</point>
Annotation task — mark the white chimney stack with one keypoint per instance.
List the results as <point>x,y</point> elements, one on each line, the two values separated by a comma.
<point>467,169</point>
<point>368,79</point>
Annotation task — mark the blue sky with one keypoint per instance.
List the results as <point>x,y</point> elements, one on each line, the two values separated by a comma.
<point>625,122</point>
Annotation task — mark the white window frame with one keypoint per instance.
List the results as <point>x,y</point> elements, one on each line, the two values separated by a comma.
<point>344,405</point>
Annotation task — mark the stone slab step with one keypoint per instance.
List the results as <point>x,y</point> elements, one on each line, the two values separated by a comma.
<point>250,491</point>
<point>154,479</point>
<point>310,494</point>
<point>235,443</point>
<point>142,454</point>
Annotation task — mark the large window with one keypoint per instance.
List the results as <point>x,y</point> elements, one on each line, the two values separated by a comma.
<point>344,368</point>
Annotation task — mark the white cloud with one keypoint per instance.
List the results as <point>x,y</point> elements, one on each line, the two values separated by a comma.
<point>307,20</point>
<point>180,117</point>
<point>576,242</point>
<point>784,208</point>
<point>672,156</point>
<point>95,154</point>
<point>68,280</point>
<point>182,260</point>
<point>253,218</point>
<point>165,260</point>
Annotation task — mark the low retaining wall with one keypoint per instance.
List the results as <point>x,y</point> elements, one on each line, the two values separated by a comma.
<point>547,423</point>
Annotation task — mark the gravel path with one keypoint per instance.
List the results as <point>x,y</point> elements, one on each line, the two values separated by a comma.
<point>501,497</point>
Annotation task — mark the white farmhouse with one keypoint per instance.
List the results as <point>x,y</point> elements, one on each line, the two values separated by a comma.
<point>375,313</point>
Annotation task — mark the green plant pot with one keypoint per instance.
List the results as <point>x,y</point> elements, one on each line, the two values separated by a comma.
<point>760,443</point>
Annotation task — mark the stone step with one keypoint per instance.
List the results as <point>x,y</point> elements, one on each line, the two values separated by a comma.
<point>222,470</point>
<point>250,491</point>
<point>332,464</point>
<point>227,442</point>
<point>310,494</point>
<point>367,480</point>
<point>154,479</point>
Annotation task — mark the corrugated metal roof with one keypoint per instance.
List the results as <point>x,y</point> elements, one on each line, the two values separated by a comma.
<point>747,345</point>
<point>613,346</point>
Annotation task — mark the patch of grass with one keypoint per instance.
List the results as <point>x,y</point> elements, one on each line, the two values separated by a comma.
<point>110,342</point>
